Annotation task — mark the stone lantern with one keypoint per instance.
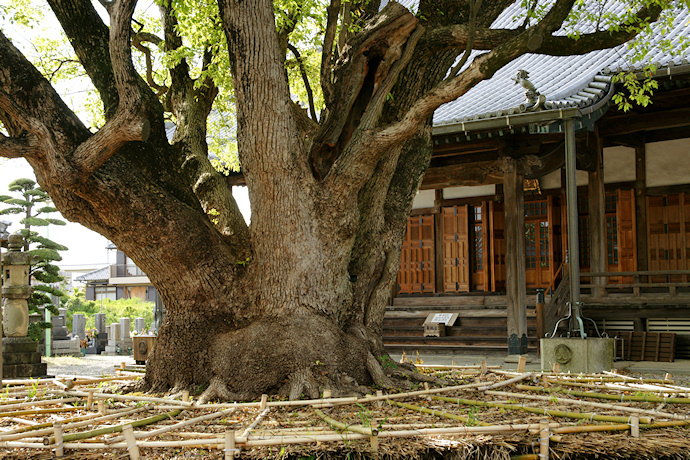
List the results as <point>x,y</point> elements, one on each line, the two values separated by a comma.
<point>20,356</point>
<point>16,289</point>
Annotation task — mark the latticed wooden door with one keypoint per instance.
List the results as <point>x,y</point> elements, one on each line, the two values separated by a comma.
<point>456,249</point>
<point>417,272</point>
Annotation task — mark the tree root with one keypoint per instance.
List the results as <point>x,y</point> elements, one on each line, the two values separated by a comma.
<point>217,391</point>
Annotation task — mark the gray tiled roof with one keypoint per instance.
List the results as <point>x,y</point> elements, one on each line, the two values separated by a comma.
<point>565,81</point>
<point>102,274</point>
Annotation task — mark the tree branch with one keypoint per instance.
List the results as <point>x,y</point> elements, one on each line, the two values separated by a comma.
<point>89,38</point>
<point>13,147</point>
<point>585,43</point>
<point>471,32</point>
<point>327,52</point>
<point>305,79</point>
<point>458,35</point>
<point>482,67</point>
<point>130,122</point>
<point>137,39</point>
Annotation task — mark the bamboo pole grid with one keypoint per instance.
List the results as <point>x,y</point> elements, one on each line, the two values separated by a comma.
<point>536,408</point>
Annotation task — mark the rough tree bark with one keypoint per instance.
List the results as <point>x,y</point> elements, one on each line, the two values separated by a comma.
<point>294,303</point>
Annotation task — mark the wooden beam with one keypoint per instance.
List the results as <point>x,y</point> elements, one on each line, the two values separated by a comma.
<point>645,122</point>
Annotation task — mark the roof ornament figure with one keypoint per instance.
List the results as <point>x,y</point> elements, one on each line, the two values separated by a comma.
<point>533,99</point>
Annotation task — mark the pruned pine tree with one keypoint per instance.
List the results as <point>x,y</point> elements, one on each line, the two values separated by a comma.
<point>33,203</point>
<point>294,302</point>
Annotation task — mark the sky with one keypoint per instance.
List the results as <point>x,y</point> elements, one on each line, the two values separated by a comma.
<point>86,248</point>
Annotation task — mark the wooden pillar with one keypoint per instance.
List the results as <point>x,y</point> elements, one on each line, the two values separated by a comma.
<point>438,240</point>
<point>597,216</point>
<point>641,205</point>
<point>516,297</point>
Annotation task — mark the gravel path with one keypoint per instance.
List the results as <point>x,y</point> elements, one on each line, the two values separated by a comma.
<point>91,365</point>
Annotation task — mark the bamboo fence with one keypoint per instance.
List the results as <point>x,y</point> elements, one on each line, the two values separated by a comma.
<point>69,416</point>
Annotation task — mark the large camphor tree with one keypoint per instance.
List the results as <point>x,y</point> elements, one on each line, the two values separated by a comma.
<point>294,302</point>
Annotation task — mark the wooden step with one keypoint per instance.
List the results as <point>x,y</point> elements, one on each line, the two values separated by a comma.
<point>454,301</point>
<point>477,331</point>
<point>489,350</point>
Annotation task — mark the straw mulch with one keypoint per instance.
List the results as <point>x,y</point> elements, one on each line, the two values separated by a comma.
<point>477,415</point>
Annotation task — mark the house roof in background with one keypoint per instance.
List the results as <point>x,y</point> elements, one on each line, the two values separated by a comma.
<point>102,274</point>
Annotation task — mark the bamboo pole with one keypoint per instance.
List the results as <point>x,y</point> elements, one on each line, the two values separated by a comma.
<point>219,443</point>
<point>176,426</point>
<point>229,445</point>
<point>618,387</point>
<point>591,394</point>
<point>505,383</point>
<point>544,440</point>
<point>256,422</point>
<point>46,402</point>
<point>453,367</point>
<point>84,394</point>
<point>635,426</point>
<point>368,431</point>
<point>112,429</point>
<point>132,446</point>
<point>59,450</point>
<point>438,413</point>
<point>46,428</point>
<point>538,410</point>
<point>581,403</point>
<point>613,379</point>
<point>53,410</point>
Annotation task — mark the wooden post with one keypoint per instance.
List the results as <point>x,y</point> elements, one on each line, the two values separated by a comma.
<point>101,406</point>
<point>521,364</point>
<point>230,445</point>
<point>544,440</point>
<point>438,238</point>
<point>556,368</point>
<point>89,400</point>
<point>571,200</point>
<point>514,209</point>
<point>598,252</point>
<point>59,449</point>
<point>132,446</point>
<point>264,401</point>
<point>635,426</point>
<point>484,367</point>
<point>327,393</point>
<point>185,395</point>
<point>641,205</point>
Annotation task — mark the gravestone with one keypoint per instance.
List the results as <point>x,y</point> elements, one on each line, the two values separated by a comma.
<point>139,325</point>
<point>62,343</point>
<point>113,339</point>
<point>78,326</point>
<point>99,320</point>
<point>100,341</point>
<point>125,336</point>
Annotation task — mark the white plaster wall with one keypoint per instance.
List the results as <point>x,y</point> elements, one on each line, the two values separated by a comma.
<point>619,164</point>
<point>467,192</point>
<point>668,163</point>
<point>424,199</point>
<point>551,180</point>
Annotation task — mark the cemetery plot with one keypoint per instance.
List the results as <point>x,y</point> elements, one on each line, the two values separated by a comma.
<point>480,412</point>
